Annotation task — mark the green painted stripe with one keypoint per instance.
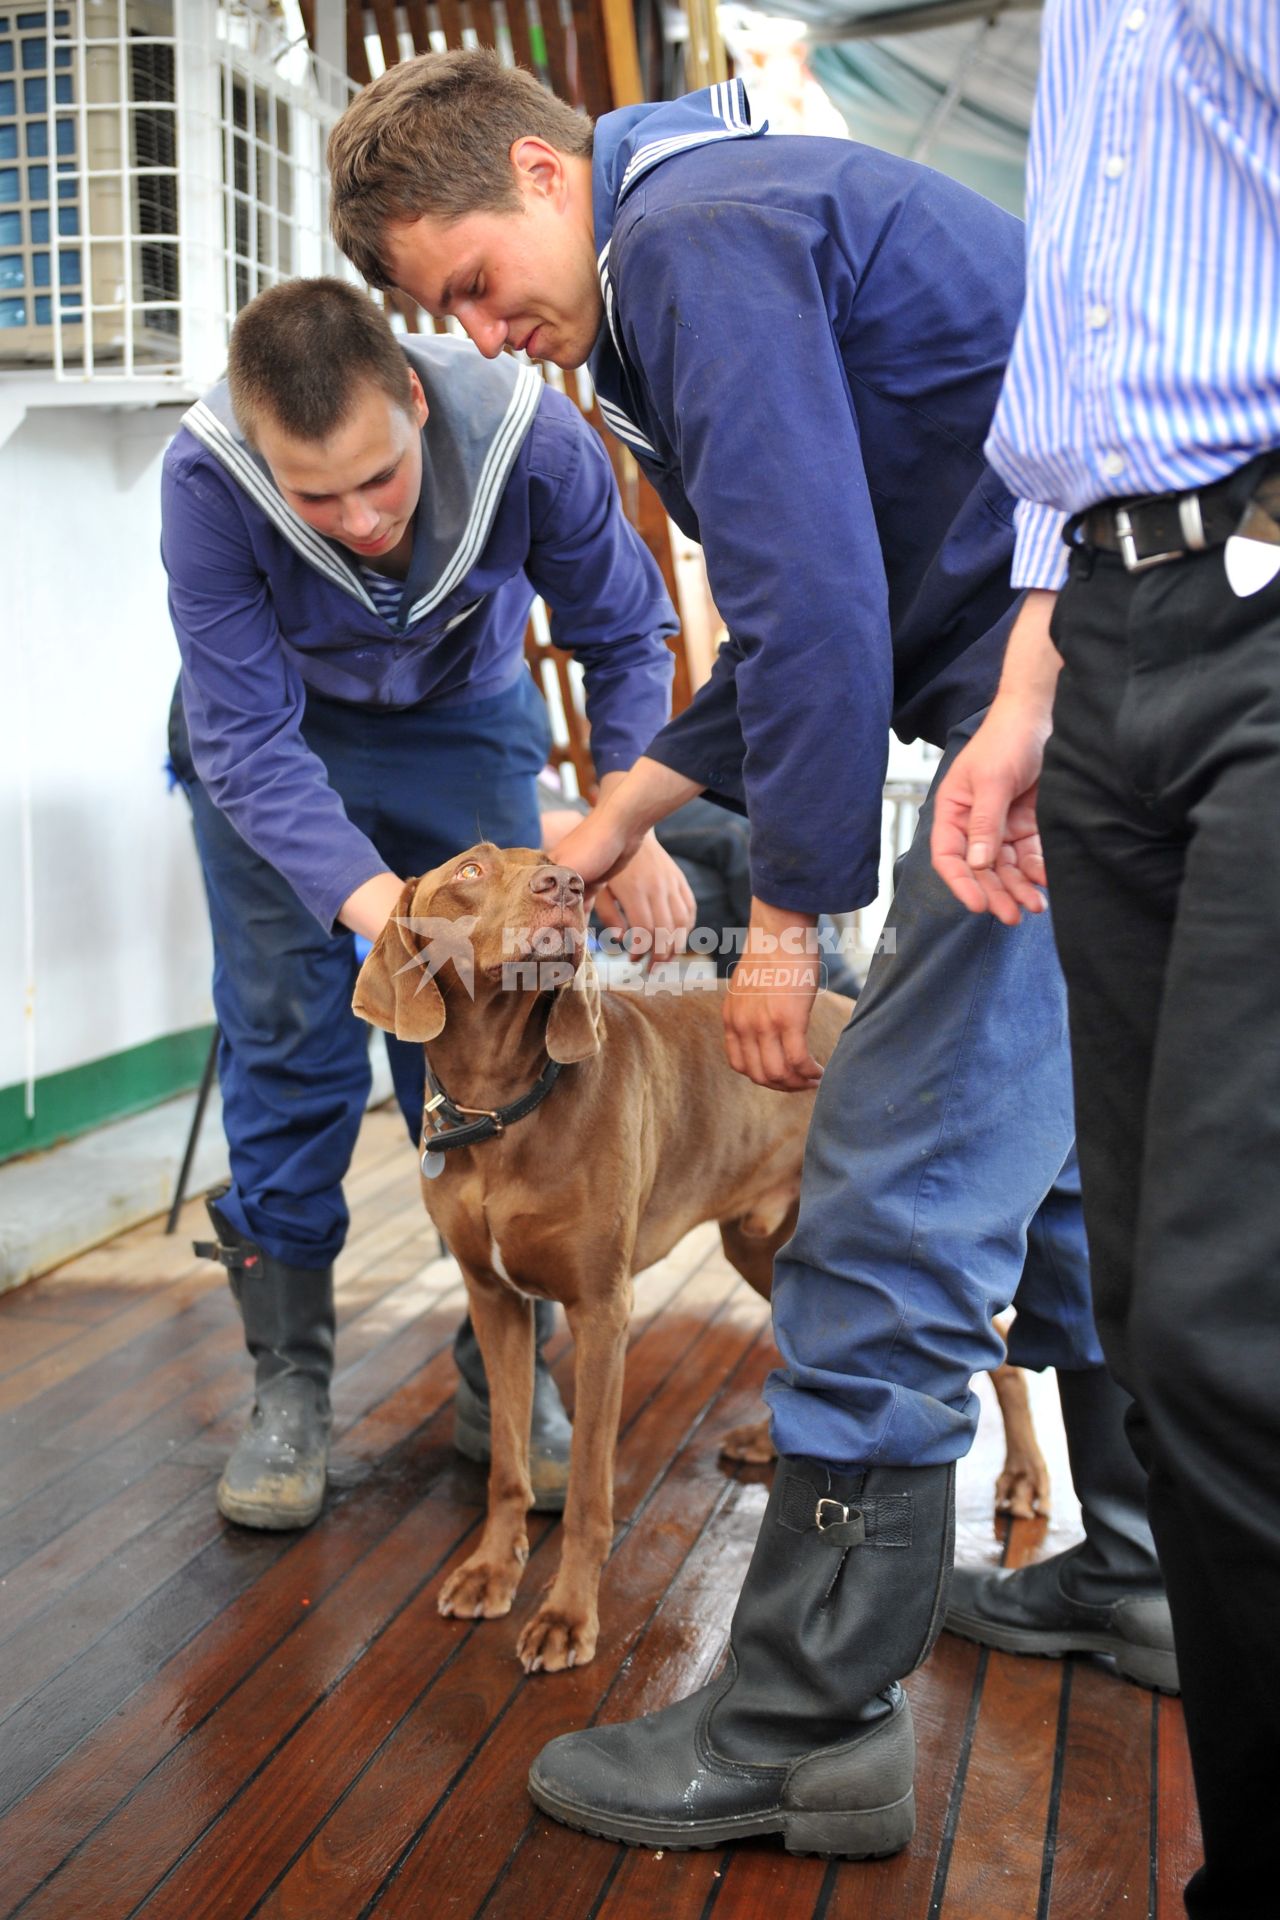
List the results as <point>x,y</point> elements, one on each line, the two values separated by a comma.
<point>86,1097</point>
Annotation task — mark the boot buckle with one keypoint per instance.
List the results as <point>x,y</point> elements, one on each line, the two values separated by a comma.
<point>234,1259</point>
<point>839,1515</point>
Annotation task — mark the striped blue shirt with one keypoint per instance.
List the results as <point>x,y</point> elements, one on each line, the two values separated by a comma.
<point>385,593</point>
<point>1148,355</point>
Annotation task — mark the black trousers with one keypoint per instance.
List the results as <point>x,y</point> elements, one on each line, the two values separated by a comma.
<point>1160,811</point>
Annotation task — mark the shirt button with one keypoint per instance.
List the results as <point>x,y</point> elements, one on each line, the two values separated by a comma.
<point>1113,464</point>
<point>1114,167</point>
<point>1097,317</point>
<point>1136,20</point>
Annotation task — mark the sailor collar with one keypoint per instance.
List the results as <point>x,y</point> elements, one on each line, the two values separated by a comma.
<point>628,145</point>
<point>479,413</point>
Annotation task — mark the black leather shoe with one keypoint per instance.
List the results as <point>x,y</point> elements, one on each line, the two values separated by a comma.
<point>806,1733</point>
<point>1105,1595</point>
<point>1030,1611</point>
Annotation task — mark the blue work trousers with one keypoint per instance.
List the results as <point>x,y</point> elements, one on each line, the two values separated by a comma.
<point>940,1182</point>
<point>293,1059</point>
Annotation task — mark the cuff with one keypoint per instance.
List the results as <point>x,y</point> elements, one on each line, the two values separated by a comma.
<point>696,750</point>
<point>1040,556</point>
<point>325,898</point>
<point>779,886</point>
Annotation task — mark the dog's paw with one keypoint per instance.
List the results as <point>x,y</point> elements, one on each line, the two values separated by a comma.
<point>558,1637</point>
<point>1022,1491</point>
<point>481,1589</point>
<point>750,1446</point>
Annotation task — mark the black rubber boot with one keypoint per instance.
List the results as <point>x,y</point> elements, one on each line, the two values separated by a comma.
<point>276,1474</point>
<point>1105,1595</point>
<point>551,1434</point>
<point>805,1733</point>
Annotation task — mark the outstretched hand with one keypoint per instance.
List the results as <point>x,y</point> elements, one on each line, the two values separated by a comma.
<point>985,842</point>
<point>636,884</point>
<point>649,897</point>
<point>597,846</point>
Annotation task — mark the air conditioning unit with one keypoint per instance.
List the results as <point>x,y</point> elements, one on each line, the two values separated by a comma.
<point>89,184</point>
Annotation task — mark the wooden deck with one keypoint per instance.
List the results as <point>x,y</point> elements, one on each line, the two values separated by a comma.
<point>197,1721</point>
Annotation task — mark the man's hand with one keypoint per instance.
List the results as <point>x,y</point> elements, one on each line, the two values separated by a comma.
<point>770,1000</point>
<point>597,846</point>
<point>613,843</point>
<point>651,897</point>
<point>984,842</point>
<point>649,894</point>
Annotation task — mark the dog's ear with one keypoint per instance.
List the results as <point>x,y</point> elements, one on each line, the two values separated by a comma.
<point>575,1025</point>
<point>392,988</point>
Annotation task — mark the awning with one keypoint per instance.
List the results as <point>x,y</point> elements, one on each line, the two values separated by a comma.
<point>948,82</point>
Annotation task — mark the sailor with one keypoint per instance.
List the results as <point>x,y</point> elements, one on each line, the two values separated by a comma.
<point>355,526</point>
<point>802,342</point>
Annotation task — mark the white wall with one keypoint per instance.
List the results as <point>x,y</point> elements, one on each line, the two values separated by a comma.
<point>116,931</point>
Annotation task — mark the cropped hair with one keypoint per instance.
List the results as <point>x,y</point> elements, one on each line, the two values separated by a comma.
<point>301,352</point>
<point>434,136</point>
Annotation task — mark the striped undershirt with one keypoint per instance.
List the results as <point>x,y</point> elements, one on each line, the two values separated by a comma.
<point>385,593</point>
<point>1148,356</point>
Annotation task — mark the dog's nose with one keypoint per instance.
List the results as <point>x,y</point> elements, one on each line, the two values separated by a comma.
<point>556,886</point>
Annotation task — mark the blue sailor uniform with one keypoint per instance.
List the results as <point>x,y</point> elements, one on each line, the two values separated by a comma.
<point>803,344</point>
<point>321,743</point>
<point>517,499</point>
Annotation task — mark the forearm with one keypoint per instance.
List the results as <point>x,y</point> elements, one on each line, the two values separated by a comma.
<point>367,910</point>
<point>775,922</point>
<point>984,839</point>
<point>1032,664</point>
<point>646,793</point>
<point>298,824</point>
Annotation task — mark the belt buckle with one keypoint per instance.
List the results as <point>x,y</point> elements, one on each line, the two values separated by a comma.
<point>1128,543</point>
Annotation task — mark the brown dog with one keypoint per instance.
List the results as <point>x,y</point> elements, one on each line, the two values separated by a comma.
<point>647,1133</point>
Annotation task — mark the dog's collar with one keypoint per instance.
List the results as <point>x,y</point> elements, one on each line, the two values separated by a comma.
<point>452,1129</point>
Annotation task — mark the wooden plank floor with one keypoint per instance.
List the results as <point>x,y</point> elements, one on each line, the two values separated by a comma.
<point>196,1720</point>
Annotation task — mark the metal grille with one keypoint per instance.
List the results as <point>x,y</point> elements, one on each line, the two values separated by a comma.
<point>153,78</point>
<point>97,113</point>
<point>256,141</point>
<point>42,258</point>
<point>161,161</point>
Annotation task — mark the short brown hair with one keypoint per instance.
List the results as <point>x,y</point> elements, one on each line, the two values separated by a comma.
<point>300,352</point>
<point>434,136</point>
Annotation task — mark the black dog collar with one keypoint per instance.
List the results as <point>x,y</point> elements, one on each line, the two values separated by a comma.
<point>452,1129</point>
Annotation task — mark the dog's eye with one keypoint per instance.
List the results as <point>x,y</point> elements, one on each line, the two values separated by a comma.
<point>469,872</point>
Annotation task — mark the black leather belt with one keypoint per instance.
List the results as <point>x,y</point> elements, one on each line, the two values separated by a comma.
<point>1168,526</point>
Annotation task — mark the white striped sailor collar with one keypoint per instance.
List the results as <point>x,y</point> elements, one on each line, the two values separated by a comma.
<point>627,145</point>
<point>480,412</point>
